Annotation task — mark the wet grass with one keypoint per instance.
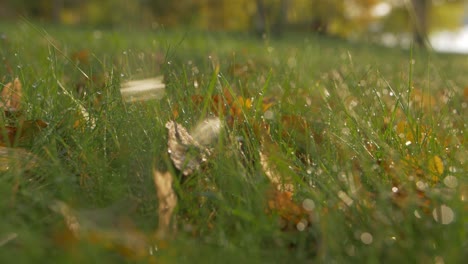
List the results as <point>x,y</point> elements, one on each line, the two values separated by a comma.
<point>375,137</point>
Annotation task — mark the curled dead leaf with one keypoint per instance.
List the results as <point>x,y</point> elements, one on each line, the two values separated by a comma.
<point>167,201</point>
<point>189,150</point>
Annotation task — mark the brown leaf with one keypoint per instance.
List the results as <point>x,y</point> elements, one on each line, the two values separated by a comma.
<point>17,158</point>
<point>293,216</point>
<point>167,201</point>
<point>125,240</point>
<point>19,135</point>
<point>281,183</point>
<point>186,153</point>
<point>11,96</point>
<point>81,56</point>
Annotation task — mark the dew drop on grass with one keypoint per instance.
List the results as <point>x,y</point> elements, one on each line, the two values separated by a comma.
<point>366,238</point>
<point>416,213</point>
<point>421,185</point>
<point>301,226</point>
<point>269,115</point>
<point>443,214</point>
<point>451,181</point>
<point>308,205</point>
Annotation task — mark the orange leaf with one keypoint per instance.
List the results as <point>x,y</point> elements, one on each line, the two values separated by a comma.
<point>81,56</point>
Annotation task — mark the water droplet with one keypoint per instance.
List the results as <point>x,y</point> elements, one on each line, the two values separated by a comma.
<point>421,185</point>
<point>269,115</point>
<point>451,181</point>
<point>301,225</point>
<point>366,238</point>
<point>416,213</point>
<point>443,214</point>
<point>308,205</point>
<point>345,198</point>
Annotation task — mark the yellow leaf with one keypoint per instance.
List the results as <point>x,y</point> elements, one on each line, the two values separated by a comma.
<point>436,166</point>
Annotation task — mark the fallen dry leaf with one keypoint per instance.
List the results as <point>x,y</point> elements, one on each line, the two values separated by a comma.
<point>5,239</point>
<point>81,56</point>
<point>11,96</point>
<point>125,240</point>
<point>17,158</point>
<point>89,120</point>
<point>20,134</point>
<point>186,152</point>
<point>167,201</point>
<point>273,175</point>
<point>292,215</point>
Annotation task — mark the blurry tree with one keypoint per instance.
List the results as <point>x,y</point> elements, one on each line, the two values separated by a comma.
<point>271,16</point>
<point>172,13</point>
<point>423,16</point>
<point>420,11</point>
<point>345,18</point>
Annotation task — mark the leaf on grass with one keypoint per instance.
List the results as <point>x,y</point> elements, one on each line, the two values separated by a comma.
<point>5,239</point>
<point>125,240</point>
<point>167,201</point>
<point>11,96</point>
<point>143,90</point>
<point>20,134</point>
<point>436,167</point>
<point>89,120</point>
<point>81,56</point>
<point>189,151</point>
<point>17,158</point>
<point>293,216</point>
<point>273,175</point>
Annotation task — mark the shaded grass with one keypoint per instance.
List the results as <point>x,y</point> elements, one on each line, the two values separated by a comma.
<point>342,117</point>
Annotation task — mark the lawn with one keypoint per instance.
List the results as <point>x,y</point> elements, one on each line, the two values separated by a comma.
<point>328,151</point>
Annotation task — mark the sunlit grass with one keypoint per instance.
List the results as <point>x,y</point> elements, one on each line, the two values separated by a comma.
<point>375,138</point>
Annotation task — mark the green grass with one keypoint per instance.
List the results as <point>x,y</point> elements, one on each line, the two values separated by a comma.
<point>345,120</point>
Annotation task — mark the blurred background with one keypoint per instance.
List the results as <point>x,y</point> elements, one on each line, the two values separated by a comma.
<point>441,24</point>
